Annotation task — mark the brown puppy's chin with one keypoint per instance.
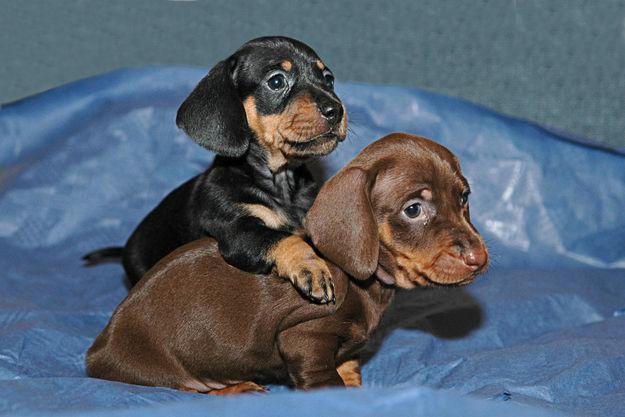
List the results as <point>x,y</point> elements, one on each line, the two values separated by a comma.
<point>406,272</point>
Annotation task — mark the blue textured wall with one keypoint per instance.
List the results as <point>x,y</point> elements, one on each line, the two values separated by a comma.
<point>558,62</point>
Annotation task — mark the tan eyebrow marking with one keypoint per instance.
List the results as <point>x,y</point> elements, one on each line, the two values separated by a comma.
<point>426,194</point>
<point>286,65</point>
<point>320,65</point>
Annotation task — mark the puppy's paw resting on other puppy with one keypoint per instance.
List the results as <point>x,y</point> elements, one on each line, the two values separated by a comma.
<point>296,261</point>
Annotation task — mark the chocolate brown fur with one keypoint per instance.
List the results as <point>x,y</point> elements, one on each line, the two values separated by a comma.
<point>196,323</point>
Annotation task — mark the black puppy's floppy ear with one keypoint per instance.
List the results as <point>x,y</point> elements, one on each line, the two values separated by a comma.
<point>342,226</point>
<point>213,115</point>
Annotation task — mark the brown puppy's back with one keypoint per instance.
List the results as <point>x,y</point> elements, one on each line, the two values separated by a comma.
<point>155,339</point>
<point>398,211</point>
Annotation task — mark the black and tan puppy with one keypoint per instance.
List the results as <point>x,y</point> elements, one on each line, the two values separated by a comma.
<point>264,111</point>
<point>396,216</point>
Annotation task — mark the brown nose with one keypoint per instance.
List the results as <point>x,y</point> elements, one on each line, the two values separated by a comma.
<point>475,257</point>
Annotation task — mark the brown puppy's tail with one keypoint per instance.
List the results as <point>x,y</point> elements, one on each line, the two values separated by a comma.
<point>110,254</point>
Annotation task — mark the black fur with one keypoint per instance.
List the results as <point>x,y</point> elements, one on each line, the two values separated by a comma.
<point>210,204</point>
<point>213,115</point>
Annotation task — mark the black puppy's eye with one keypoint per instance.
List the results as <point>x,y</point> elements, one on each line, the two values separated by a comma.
<point>464,198</point>
<point>277,82</point>
<point>327,75</point>
<point>413,210</point>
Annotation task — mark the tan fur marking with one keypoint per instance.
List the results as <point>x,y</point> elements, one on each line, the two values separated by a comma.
<point>320,65</point>
<point>406,275</point>
<point>349,371</point>
<point>266,130</point>
<point>426,194</point>
<point>242,387</point>
<point>295,260</point>
<point>438,263</point>
<point>277,133</point>
<point>286,65</point>
<point>271,218</point>
<point>289,253</point>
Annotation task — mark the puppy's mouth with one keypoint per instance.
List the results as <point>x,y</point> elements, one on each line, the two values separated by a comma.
<point>403,272</point>
<point>319,145</point>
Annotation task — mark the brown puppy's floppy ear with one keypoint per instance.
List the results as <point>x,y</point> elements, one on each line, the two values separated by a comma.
<point>342,226</point>
<point>213,115</point>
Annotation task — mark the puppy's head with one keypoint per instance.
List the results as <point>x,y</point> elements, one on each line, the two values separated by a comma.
<point>275,91</point>
<point>399,210</point>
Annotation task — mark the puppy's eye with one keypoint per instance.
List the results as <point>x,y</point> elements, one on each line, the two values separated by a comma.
<point>413,211</point>
<point>464,198</point>
<point>277,82</point>
<point>327,75</point>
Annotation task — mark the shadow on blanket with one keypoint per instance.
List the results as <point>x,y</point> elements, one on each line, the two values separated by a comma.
<point>448,313</point>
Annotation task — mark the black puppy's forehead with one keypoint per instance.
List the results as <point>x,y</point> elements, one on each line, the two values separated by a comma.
<point>260,59</point>
<point>277,48</point>
<point>255,59</point>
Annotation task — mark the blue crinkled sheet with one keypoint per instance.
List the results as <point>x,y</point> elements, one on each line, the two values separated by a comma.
<point>541,334</point>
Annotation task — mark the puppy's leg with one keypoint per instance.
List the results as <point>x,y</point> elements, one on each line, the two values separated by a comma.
<point>310,357</point>
<point>249,241</point>
<point>296,260</point>
<point>240,388</point>
<point>349,372</point>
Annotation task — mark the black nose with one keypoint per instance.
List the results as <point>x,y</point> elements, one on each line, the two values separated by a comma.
<point>330,110</point>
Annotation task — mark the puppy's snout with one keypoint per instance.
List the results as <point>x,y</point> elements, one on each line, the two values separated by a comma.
<point>330,110</point>
<point>475,257</point>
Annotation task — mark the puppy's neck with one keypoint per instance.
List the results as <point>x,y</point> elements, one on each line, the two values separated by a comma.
<point>269,163</point>
<point>279,178</point>
<point>376,298</point>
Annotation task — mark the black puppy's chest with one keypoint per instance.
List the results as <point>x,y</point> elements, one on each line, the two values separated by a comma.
<point>290,195</point>
<point>233,189</point>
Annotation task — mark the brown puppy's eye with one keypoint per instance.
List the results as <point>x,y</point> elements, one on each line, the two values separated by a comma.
<point>327,75</point>
<point>277,82</point>
<point>413,210</point>
<point>464,198</point>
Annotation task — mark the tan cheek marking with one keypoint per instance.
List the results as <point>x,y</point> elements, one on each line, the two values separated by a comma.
<point>249,105</point>
<point>267,130</point>
<point>299,122</point>
<point>406,261</point>
<point>386,235</point>
<point>349,371</point>
<point>286,65</point>
<point>320,65</point>
<point>270,217</point>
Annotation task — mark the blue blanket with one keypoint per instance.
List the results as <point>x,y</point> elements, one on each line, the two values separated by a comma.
<point>542,333</point>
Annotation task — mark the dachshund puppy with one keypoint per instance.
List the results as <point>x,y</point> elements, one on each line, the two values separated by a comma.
<point>264,111</point>
<point>396,216</point>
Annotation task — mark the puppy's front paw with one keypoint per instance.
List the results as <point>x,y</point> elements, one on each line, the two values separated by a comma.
<point>297,261</point>
<point>312,277</point>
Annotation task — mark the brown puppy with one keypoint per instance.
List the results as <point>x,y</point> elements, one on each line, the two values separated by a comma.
<point>396,216</point>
